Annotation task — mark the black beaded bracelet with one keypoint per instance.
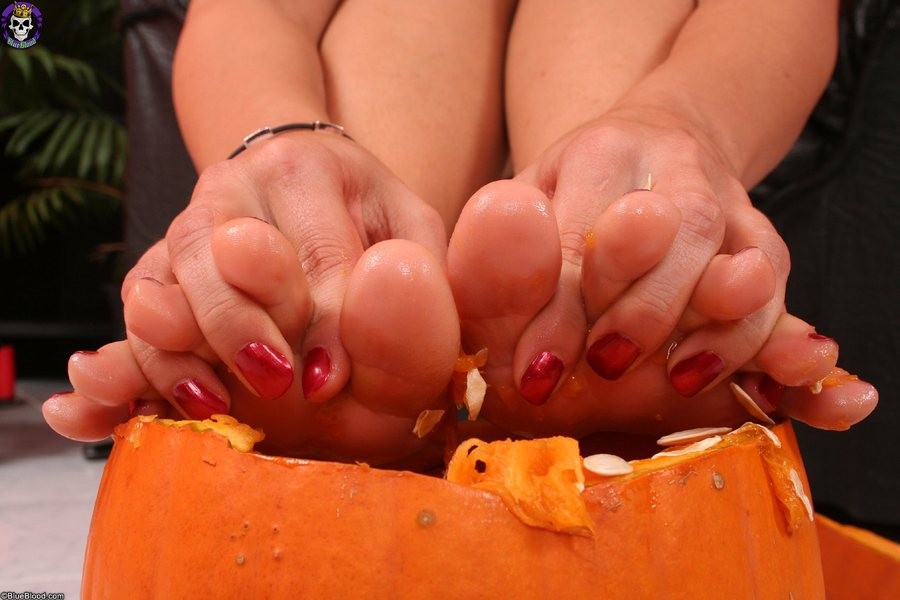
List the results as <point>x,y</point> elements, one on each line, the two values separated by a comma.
<point>270,131</point>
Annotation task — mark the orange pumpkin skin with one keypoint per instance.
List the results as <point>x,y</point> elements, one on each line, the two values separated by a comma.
<point>181,513</point>
<point>857,563</point>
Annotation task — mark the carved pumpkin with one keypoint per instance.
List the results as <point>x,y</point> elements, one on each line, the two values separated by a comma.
<point>182,512</point>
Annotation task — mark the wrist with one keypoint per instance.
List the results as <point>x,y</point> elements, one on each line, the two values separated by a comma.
<point>667,110</point>
<point>267,131</point>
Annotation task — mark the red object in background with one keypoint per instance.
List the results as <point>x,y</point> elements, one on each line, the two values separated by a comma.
<point>7,373</point>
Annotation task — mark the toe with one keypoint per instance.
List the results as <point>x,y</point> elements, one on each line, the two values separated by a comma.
<point>504,264</point>
<point>400,328</point>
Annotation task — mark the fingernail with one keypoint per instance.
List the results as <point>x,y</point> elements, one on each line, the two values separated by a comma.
<point>85,352</point>
<point>151,280</point>
<point>316,369</point>
<point>742,250</point>
<point>197,401</point>
<point>819,337</point>
<point>771,392</point>
<point>268,371</point>
<point>693,374</point>
<point>611,355</point>
<point>540,378</point>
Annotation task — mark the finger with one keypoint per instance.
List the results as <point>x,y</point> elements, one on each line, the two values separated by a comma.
<point>645,315</point>
<point>715,350</point>
<point>734,286</point>
<point>183,379</point>
<point>79,418</point>
<point>842,402</point>
<point>238,330</point>
<point>255,258</point>
<point>89,372</point>
<point>628,239</point>
<point>160,315</point>
<point>795,354</point>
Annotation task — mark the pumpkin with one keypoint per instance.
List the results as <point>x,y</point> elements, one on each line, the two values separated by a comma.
<point>182,511</point>
<point>858,563</point>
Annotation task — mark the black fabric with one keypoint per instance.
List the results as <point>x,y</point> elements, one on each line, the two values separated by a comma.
<point>160,175</point>
<point>836,201</point>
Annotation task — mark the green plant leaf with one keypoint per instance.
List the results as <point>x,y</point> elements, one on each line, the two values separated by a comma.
<point>23,63</point>
<point>89,148</point>
<point>105,149</point>
<point>121,157</point>
<point>45,57</point>
<point>73,139</point>
<point>46,157</point>
<point>80,71</point>
<point>13,120</point>
<point>36,123</point>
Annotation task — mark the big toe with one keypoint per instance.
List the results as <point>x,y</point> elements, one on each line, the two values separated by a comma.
<point>504,262</point>
<point>400,328</point>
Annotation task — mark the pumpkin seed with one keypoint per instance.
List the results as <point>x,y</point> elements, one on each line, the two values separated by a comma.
<point>769,433</point>
<point>475,390</point>
<point>607,465</point>
<point>749,405</point>
<point>801,493</point>
<point>426,421</point>
<point>704,444</point>
<point>689,436</point>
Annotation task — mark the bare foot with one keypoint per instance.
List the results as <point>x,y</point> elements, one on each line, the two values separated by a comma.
<point>545,370</point>
<point>223,314</point>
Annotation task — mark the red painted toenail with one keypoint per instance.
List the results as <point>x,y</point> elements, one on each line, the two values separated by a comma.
<point>268,371</point>
<point>540,378</point>
<point>693,374</point>
<point>771,392</point>
<point>316,369</point>
<point>197,401</point>
<point>611,355</point>
<point>140,407</point>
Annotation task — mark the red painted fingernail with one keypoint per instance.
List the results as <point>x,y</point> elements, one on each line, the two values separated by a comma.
<point>611,355</point>
<point>197,401</point>
<point>771,392</point>
<point>540,378</point>
<point>693,374</point>
<point>316,369</point>
<point>268,371</point>
<point>819,337</point>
